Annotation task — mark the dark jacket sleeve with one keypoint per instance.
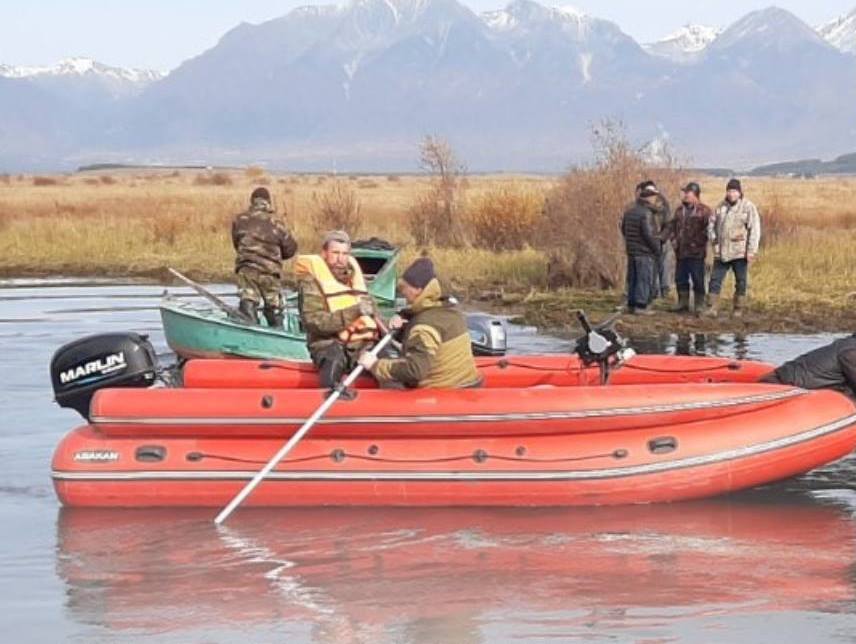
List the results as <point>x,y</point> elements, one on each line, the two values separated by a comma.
<point>648,235</point>
<point>847,360</point>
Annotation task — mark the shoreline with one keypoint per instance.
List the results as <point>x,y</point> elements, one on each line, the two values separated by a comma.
<point>555,312</point>
<point>548,311</point>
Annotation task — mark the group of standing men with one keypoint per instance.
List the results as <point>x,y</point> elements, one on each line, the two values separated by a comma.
<point>654,235</point>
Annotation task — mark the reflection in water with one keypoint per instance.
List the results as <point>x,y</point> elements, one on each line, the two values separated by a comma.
<point>445,575</point>
<point>768,348</point>
<point>699,572</point>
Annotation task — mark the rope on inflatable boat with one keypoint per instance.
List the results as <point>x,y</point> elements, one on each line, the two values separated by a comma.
<point>478,456</point>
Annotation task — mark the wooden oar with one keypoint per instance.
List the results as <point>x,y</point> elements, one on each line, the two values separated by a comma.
<point>231,311</point>
<point>298,435</point>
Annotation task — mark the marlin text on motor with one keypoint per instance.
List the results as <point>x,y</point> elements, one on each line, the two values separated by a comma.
<point>103,366</point>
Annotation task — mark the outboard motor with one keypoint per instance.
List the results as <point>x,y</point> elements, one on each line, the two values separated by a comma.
<point>82,367</point>
<point>602,345</point>
<point>487,334</point>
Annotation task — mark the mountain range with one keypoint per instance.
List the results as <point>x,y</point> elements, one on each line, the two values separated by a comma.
<point>356,86</point>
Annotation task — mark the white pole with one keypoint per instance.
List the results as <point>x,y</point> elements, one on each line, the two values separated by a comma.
<point>285,449</point>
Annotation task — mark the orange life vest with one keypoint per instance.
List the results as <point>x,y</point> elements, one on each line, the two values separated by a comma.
<point>340,296</point>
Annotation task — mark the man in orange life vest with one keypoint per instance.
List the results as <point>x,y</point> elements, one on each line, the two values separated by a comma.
<point>336,309</point>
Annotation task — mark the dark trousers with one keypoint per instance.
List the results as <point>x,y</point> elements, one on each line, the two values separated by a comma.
<point>334,361</point>
<point>690,272</point>
<point>640,280</point>
<point>720,270</point>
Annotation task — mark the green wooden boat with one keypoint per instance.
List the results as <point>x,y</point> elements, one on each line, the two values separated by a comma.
<point>196,329</point>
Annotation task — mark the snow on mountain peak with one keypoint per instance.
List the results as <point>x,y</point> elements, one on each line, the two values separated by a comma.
<point>499,20</point>
<point>685,44</point>
<point>693,38</point>
<point>81,66</point>
<point>571,12</point>
<point>840,32</point>
<point>521,12</point>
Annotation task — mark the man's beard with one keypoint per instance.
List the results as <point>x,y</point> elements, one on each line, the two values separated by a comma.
<point>341,273</point>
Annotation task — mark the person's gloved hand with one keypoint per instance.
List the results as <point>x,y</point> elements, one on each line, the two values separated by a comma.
<point>396,322</point>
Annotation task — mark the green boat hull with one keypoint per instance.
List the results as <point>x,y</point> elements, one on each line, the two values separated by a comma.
<point>199,330</point>
<point>194,331</point>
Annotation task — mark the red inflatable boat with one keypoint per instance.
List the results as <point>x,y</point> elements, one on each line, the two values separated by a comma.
<point>541,431</point>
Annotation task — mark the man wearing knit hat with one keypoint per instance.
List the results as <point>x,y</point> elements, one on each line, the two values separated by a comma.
<point>436,347</point>
<point>262,242</point>
<point>735,232</point>
<point>642,244</point>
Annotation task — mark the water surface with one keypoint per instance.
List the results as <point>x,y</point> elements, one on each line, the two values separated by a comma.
<point>772,565</point>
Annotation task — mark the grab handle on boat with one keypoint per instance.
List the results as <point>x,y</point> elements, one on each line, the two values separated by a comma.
<point>298,435</point>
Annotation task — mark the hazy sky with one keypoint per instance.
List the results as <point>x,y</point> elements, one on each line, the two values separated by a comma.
<point>160,34</point>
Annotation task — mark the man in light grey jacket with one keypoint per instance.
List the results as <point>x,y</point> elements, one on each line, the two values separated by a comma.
<point>735,232</point>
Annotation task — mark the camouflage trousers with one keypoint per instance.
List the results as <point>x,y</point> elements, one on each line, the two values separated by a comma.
<point>260,288</point>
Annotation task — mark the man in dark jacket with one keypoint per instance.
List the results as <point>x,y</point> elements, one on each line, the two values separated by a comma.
<point>262,243</point>
<point>830,367</point>
<point>642,245</point>
<point>689,238</point>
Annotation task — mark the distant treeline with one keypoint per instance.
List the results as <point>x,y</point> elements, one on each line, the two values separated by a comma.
<point>845,164</point>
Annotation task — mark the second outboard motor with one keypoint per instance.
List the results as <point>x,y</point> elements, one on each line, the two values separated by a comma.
<point>487,334</point>
<point>82,367</point>
<point>602,345</point>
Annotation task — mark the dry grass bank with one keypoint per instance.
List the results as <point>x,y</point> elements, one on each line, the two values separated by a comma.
<point>137,223</point>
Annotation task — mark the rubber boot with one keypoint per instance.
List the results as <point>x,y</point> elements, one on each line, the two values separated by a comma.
<point>274,318</point>
<point>250,309</point>
<point>713,307</point>
<point>697,307</point>
<point>331,366</point>
<point>683,302</point>
<point>739,303</point>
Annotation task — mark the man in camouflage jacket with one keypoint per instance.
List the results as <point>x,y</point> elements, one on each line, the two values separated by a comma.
<point>262,243</point>
<point>332,356</point>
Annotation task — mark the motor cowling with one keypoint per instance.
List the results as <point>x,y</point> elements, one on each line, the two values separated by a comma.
<point>80,368</point>
<point>487,334</point>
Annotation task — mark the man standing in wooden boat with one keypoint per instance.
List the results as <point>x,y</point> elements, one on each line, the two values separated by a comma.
<point>262,243</point>
<point>336,309</point>
<point>437,351</point>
